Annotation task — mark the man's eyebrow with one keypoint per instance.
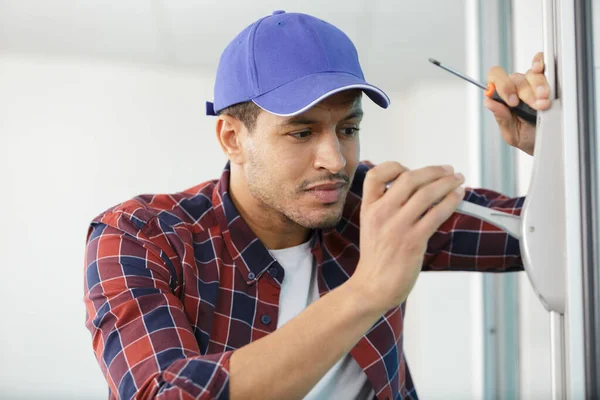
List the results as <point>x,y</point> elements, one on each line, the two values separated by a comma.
<point>298,120</point>
<point>358,113</point>
<point>302,120</point>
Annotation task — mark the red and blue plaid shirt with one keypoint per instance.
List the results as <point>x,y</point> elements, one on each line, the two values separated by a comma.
<point>175,283</point>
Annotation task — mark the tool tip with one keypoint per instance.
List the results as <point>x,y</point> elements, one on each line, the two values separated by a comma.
<point>433,61</point>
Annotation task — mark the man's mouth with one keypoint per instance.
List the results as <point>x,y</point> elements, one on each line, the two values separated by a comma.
<point>327,192</point>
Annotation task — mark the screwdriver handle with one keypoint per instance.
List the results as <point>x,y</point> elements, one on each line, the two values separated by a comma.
<point>522,110</point>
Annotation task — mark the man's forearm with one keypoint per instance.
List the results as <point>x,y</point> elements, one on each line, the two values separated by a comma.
<point>287,363</point>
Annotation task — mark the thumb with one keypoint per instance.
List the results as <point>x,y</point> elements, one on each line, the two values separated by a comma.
<point>505,120</point>
<point>502,113</point>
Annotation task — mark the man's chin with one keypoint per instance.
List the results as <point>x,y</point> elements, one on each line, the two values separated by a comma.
<point>329,220</point>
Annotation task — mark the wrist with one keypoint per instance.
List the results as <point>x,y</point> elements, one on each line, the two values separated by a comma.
<point>366,301</point>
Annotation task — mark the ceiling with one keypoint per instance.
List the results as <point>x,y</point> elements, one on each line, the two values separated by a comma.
<point>394,37</point>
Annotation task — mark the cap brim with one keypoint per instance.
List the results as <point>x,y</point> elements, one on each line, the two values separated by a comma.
<point>299,95</point>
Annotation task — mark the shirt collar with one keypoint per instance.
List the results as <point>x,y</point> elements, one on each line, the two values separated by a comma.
<point>249,254</point>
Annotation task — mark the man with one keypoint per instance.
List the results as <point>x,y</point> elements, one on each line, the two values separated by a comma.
<point>253,286</point>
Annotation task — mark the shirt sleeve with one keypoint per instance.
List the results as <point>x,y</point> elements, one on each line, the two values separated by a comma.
<point>141,336</point>
<point>469,244</point>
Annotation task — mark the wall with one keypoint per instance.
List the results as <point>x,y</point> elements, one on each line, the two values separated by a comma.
<point>76,139</point>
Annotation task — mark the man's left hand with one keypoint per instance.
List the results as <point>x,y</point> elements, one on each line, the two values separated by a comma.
<point>532,88</point>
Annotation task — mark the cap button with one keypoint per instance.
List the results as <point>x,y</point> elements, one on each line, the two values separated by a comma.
<point>277,12</point>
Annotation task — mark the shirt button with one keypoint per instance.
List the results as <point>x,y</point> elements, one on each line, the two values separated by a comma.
<point>265,319</point>
<point>273,272</point>
<point>251,275</point>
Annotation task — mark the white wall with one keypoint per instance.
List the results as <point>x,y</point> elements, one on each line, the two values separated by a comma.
<point>78,137</point>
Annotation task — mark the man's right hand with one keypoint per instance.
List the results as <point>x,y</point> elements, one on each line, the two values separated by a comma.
<point>396,225</point>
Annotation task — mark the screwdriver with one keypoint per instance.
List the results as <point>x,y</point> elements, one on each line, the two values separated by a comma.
<point>521,110</point>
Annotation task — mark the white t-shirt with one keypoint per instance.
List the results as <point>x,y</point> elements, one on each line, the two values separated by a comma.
<point>345,380</point>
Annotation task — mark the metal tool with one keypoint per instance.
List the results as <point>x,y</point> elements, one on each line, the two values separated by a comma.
<point>522,109</point>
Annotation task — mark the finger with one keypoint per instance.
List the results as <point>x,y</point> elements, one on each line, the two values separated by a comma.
<point>538,83</point>
<point>505,120</point>
<point>541,89</point>
<point>504,85</point>
<point>409,182</point>
<point>537,64</point>
<point>501,112</point>
<point>427,196</point>
<point>542,104</point>
<point>377,177</point>
<point>524,90</point>
<point>438,214</point>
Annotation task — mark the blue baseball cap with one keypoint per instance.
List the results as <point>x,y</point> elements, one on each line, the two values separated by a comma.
<point>286,63</point>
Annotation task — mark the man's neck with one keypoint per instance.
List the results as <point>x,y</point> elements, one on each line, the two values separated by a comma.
<point>274,230</point>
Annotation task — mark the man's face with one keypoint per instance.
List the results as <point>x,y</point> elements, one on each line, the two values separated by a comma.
<point>301,167</point>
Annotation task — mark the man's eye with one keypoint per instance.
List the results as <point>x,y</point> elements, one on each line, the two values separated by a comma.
<point>350,131</point>
<point>301,135</point>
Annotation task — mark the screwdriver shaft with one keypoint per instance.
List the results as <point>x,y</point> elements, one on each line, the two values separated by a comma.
<point>455,72</point>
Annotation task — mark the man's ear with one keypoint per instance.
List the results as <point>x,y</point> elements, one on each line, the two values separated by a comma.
<point>229,134</point>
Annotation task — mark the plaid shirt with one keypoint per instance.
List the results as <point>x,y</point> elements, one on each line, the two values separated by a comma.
<point>175,283</point>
